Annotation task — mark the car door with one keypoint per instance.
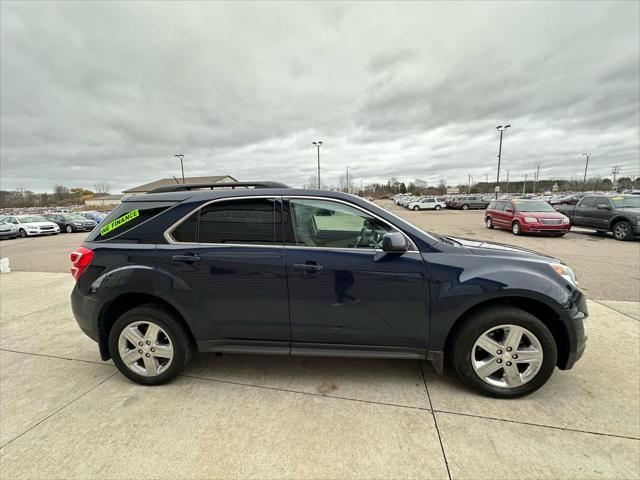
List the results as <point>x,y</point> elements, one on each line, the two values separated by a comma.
<point>583,212</point>
<point>343,289</point>
<point>226,256</point>
<point>602,213</point>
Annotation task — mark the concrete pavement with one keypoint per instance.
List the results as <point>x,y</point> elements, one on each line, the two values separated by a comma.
<point>66,414</point>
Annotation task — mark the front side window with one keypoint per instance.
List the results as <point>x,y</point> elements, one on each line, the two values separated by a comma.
<point>327,224</point>
<point>587,202</point>
<point>242,221</point>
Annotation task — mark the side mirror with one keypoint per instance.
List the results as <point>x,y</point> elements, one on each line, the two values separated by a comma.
<point>394,242</point>
<point>509,210</point>
<point>604,207</point>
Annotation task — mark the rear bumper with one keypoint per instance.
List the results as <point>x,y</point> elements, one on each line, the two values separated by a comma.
<point>85,310</point>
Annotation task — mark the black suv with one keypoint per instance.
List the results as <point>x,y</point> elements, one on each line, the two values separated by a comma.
<point>264,268</point>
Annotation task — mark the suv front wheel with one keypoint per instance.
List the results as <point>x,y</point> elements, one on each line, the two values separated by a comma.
<point>149,346</point>
<point>504,352</point>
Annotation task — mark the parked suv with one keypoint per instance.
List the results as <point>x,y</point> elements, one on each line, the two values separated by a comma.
<point>426,203</point>
<point>526,216</point>
<point>263,268</point>
<point>465,203</point>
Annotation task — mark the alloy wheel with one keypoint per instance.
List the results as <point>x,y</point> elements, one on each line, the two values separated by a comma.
<point>145,348</point>
<point>488,222</point>
<point>69,229</point>
<point>507,356</point>
<point>621,231</point>
<point>23,234</point>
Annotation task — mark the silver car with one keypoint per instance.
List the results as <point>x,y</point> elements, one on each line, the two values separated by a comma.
<point>8,230</point>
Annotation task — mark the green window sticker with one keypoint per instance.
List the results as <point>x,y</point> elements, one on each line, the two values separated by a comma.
<point>118,222</point>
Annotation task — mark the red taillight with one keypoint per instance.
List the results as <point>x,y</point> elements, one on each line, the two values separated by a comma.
<point>80,259</point>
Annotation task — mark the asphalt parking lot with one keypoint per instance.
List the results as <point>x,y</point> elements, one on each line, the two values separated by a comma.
<point>66,414</point>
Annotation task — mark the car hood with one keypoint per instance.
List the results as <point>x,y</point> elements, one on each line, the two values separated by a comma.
<point>39,224</point>
<point>481,247</point>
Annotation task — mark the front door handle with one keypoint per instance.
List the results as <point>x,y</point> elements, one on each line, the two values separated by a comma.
<point>186,258</point>
<point>308,267</point>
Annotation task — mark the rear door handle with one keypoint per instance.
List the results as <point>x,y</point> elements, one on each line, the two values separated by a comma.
<point>309,267</point>
<point>186,258</point>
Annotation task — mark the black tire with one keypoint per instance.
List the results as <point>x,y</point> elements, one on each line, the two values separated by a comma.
<point>22,233</point>
<point>622,231</point>
<point>465,207</point>
<point>438,207</point>
<point>179,338</point>
<point>69,229</point>
<point>516,229</point>
<point>488,223</point>
<point>474,326</point>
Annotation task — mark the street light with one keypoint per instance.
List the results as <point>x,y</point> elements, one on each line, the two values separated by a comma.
<point>180,156</point>
<point>584,181</point>
<point>501,129</point>
<point>317,144</point>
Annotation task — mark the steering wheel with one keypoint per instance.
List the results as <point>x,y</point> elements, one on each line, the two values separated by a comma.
<point>363,232</point>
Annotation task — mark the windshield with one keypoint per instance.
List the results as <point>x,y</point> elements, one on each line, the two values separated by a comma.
<point>31,218</point>
<point>74,216</point>
<point>533,207</point>
<point>630,202</point>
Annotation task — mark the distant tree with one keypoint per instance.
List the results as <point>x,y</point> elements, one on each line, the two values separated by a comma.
<point>403,188</point>
<point>102,188</point>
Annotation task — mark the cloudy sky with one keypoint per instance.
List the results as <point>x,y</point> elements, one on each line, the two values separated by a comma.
<point>110,91</point>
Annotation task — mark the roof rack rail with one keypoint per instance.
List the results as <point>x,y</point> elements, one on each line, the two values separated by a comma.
<point>196,186</point>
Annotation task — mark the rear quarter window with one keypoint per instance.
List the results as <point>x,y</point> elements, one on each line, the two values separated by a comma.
<point>126,217</point>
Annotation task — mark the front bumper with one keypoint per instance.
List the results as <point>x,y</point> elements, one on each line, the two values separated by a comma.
<point>636,230</point>
<point>575,317</point>
<point>541,228</point>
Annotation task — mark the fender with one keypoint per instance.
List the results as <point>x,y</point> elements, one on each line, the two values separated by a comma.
<point>458,283</point>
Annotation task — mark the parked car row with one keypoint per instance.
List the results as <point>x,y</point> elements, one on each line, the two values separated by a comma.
<point>417,202</point>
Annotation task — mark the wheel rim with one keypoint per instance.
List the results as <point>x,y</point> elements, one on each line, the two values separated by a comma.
<point>465,207</point>
<point>145,348</point>
<point>516,228</point>
<point>507,356</point>
<point>488,222</point>
<point>620,230</point>
<point>23,233</point>
<point>69,229</point>
<point>437,207</point>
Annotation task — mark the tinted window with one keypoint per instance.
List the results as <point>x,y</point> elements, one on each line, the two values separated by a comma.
<point>248,221</point>
<point>587,202</point>
<point>125,217</point>
<point>322,223</point>
<point>187,231</point>
<point>603,201</point>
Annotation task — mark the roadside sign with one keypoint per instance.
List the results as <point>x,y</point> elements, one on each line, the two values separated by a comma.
<point>497,188</point>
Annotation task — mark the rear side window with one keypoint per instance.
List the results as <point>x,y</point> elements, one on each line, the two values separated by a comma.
<point>125,217</point>
<point>243,221</point>
<point>587,202</point>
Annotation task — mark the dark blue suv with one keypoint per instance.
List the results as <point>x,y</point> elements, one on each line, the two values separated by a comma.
<point>263,268</point>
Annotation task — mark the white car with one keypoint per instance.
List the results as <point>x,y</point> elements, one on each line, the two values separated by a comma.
<point>426,203</point>
<point>29,225</point>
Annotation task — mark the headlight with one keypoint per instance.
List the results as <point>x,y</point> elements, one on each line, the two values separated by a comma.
<point>530,219</point>
<point>565,272</point>
<point>565,220</point>
<point>77,224</point>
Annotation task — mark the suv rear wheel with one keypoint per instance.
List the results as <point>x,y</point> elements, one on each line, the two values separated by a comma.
<point>149,345</point>
<point>504,352</point>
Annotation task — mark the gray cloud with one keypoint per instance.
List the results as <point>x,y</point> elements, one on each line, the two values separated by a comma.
<point>110,91</point>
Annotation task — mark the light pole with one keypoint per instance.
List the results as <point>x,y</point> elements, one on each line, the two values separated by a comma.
<point>586,165</point>
<point>348,179</point>
<point>317,144</point>
<point>535,183</point>
<point>507,181</point>
<point>501,129</point>
<point>524,185</point>
<point>180,156</point>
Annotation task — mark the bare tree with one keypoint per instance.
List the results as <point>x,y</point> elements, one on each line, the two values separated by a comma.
<point>101,187</point>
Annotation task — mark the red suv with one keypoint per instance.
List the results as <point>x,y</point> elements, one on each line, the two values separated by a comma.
<point>526,216</point>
